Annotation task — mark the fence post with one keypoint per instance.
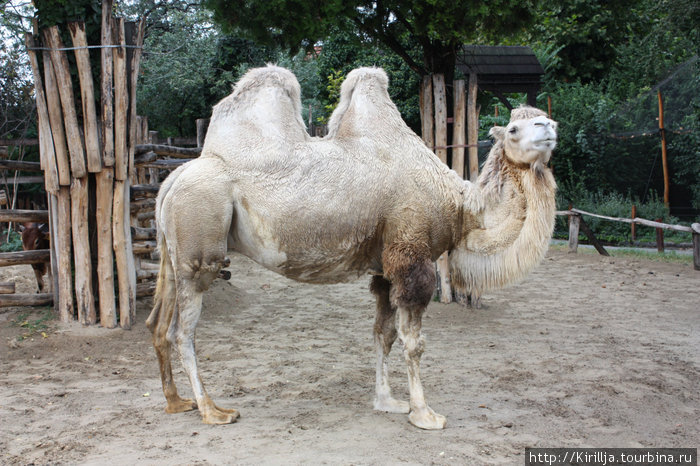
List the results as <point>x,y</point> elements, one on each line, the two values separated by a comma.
<point>696,245</point>
<point>633,226</point>
<point>659,237</point>
<point>574,224</point>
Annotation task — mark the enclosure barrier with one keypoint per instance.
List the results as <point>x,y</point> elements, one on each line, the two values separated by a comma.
<point>577,223</point>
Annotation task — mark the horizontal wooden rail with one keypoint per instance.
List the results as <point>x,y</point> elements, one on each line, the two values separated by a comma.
<point>169,151</point>
<point>18,215</point>
<point>19,142</point>
<point>637,220</point>
<point>20,165</point>
<point>24,257</point>
<point>34,299</point>
<point>168,164</point>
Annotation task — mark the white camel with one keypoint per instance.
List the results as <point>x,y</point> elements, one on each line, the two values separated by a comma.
<point>368,198</point>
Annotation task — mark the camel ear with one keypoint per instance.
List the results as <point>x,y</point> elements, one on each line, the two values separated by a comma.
<point>498,133</point>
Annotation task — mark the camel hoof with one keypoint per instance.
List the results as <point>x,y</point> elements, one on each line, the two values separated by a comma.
<point>391,405</point>
<point>427,419</point>
<point>220,416</point>
<point>181,405</point>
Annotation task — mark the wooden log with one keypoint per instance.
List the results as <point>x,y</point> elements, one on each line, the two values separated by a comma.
<point>202,125</point>
<point>166,164</point>
<point>440,99</point>
<point>107,95</point>
<point>52,203</point>
<point>144,190</point>
<point>20,165</point>
<point>458,128</point>
<point>46,147</point>
<point>664,157</point>
<point>134,39</point>
<point>633,226</point>
<point>87,96</point>
<point>7,287</point>
<point>143,233</point>
<point>36,299</point>
<point>141,159</point>
<point>53,100</point>
<point>37,256</point>
<point>144,247</point>
<point>145,289</point>
<point>574,224</point>
<point>639,221</point>
<point>170,151</point>
<point>65,89</point>
<point>105,258</point>
<point>20,215</point>
<point>592,238</point>
<point>696,245</point>
<point>426,112</point>
<point>84,299</point>
<point>121,104</point>
<point>142,275</point>
<point>147,215</point>
<point>473,128</point>
<point>19,141</point>
<point>142,204</point>
<point>659,237</point>
<point>63,237</point>
<point>126,271</point>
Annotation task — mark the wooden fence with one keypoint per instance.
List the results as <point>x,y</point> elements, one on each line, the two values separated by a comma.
<point>577,223</point>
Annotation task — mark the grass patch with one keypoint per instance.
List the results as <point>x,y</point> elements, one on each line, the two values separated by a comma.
<point>669,256</point>
<point>33,322</point>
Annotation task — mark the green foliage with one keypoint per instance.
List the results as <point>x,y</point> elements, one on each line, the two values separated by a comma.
<point>14,243</point>
<point>33,322</point>
<point>335,79</point>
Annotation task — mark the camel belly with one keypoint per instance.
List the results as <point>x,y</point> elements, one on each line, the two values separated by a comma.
<point>314,256</point>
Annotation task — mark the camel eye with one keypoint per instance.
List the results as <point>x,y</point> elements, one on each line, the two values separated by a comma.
<point>513,130</point>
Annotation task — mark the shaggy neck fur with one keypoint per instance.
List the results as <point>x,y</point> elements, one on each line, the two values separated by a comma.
<point>525,196</point>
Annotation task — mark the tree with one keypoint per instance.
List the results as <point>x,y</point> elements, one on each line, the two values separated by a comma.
<point>439,27</point>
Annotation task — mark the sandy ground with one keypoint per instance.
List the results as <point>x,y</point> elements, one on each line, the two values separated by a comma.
<point>587,352</point>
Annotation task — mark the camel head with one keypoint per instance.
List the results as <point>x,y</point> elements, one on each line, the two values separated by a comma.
<point>529,138</point>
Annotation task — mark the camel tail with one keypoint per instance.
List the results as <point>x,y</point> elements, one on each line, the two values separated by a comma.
<point>164,286</point>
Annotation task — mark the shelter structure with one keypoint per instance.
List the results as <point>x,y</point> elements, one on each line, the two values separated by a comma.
<point>502,69</point>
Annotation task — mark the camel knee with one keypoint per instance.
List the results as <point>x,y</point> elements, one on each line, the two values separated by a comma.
<point>413,347</point>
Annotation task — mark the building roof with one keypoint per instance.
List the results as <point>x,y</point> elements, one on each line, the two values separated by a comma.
<point>502,68</point>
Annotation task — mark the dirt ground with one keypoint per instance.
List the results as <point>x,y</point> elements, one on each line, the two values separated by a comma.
<point>588,351</point>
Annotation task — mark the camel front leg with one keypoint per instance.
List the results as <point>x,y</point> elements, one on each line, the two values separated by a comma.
<point>189,307</point>
<point>421,414</point>
<point>384,337</point>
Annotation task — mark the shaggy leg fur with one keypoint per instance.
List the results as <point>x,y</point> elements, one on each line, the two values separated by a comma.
<point>412,277</point>
<point>189,301</point>
<point>158,323</point>
<point>384,337</point>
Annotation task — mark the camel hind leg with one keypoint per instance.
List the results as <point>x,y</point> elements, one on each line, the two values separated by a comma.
<point>384,337</point>
<point>158,323</point>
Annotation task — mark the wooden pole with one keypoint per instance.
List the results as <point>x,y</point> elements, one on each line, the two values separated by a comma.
<point>85,300</point>
<point>574,224</point>
<point>7,287</point>
<point>121,103</point>
<point>126,271</point>
<point>696,245</point>
<point>659,237</point>
<point>473,128</point>
<point>55,115</point>
<point>134,39</point>
<point>549,106</point>
<point>458,128</point>
<point>65,89</point>
<point>87,96</point>
<point>63,253</point>
<point>426,112</point>
<point>107,80</point>
<point>105,261</point>
<point>203,123</point>
<point>633,226</point>
<point>439,94</point>
<point>664,159</point>
<point>46,147</point>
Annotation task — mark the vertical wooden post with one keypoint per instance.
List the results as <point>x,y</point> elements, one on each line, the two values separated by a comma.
<point>134,39</point>
<point>574,225</point>
<point>660,237</point>
<point>46,146</point>
<point>549,106</point>
<point>439,95</point>
<point>123,249</point>
<point>664,159</point>
<point>696,245</point>
<point>426,112</point>
<point>85,300</point>
<point>121,103</point>
<point>203,123</point>
<point>63,251</point>
<point>458,128</point>
<point>87,96</point>
<point>65,89</point>
<point>633,226</point>
<point>473,128</point>
<point>56,117</point>
<point>107,80</point>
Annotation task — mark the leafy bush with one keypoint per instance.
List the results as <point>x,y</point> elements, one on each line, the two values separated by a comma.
<point>13,244</point>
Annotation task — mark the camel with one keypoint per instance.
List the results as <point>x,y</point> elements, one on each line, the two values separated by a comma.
<point>368,198</point>
<point>518,219</point>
